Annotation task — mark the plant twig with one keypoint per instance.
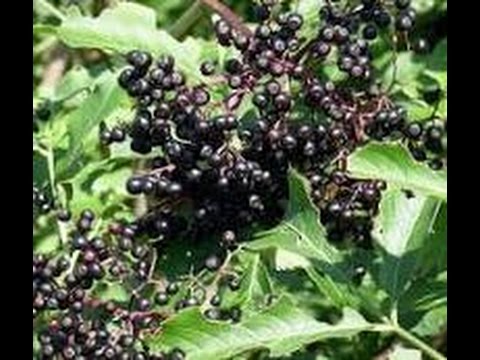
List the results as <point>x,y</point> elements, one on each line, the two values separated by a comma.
<point>229,16</point>
<point>54,70</point>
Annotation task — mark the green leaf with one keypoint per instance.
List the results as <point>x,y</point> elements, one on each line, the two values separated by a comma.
<point>403,70</point>
<point>442,108</point>
<point>405,230</point>
<point>402,228</point>
<point>311,20</point>
<point>423,308</point>
<point>288,260</point>
<point>432,322</point>
<point>105,98</point>
<point>435,244</point>
<point>40,170</point>
<point>128,26</point>
<point>394,164</point>
<point>45,236</point>
<point>74,81</point>
<point>100,185</point>
<point>254,285</point>
<point>121,28</point>
<point>111,291</point>
<point>437,60</point>
<point>282,329</point>
<point>301,233</point>
<point>437,66</point>
<point>165,10</point>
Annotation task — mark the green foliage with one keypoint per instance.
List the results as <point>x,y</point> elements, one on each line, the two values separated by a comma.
<point>105,98</point>
<point>301,233</point>
<point>281,329</point>
<point>394,164</point>
<point>404,225</point>
<point>129,26</point>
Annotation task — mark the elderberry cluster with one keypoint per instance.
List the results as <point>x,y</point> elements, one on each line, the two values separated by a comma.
<point>228,186</point>
<point>428,142</point>
<point>77,320</point>
<point>72,336</point>
<point>200,168</point>
<point>348,213</point>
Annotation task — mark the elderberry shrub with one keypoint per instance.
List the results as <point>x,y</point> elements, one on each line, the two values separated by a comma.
<point>210,176</point>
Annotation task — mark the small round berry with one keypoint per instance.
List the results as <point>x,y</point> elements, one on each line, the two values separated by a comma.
<point>213,314</point>
<point>139,59</point>
<point>126,77</point>
<point>414,130</point>
<point>215,300</point>
<point>213,263</point>
<point>117,134</point>
<point>143,304</point>
<point>166,63</point>
<point>161,298</point>
<point>404,22</point>
<point>421,46</point>
<point>106,137</point>
<point>234,283</point>
<point>294,21</point>
<point>369,32</point>
<point>64,215</point>
<point>177,354</point>
<point>172,288</point>
<point>235,314</point>
<point>382,18</point>
<point>263,32</point>
<point>135,185</point>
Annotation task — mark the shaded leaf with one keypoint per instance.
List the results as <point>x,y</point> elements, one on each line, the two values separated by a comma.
<point>432,322</point>
<point>423,307</point>
<point>437,60</point>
